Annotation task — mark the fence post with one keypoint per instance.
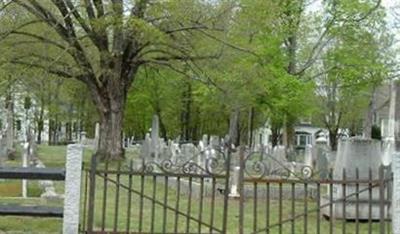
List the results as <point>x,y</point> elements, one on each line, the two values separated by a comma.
<point>92,187</point>
<point>396,194</point>
<point>241,185</point>
<point>226,192</point>
<point>72,188</point>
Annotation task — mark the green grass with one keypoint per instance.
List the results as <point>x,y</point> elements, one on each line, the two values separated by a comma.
<point>55,156</point>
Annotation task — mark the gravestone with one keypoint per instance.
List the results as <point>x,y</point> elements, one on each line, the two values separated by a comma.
<point>3,151</point>
<point>165,152</point>
<point>145,149</point>
<point>235,178</point>
<point>175,152</point>
<point>155,141</point>
<point>188,151</point>
<point>83,137</point>
<point>308,156</point>
<point>363,154</point>
<point>25,156</point>
<point>278,161</point>
<point>322,166</point>
<point>96,137</point>
<point>214,142</point>
<point>204,139</point>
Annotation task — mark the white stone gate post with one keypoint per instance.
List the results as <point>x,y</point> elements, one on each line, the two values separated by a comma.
<point>73,175</point>
<point>396,194</point>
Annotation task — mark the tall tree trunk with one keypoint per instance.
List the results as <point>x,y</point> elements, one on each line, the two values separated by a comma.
<point>251,126</point>
<point>111,124</point>
<point>234,127</point>
<point>10,122</point>
<point>186,111</point>
<point>333,139</point>
<point>368,121</point>
<point>40,122</point>
<point>110,100</point>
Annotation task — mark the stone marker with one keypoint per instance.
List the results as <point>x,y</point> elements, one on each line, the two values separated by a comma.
<point>214,142</point>
<point>145,148</point>
<point>234,193</point>
<point>25,156</point>
<point>96,137</point>
<point>155,144</point>
<point>3,150</point>
<point>72,189</point>
<point>322,165</point>
<point>308,157</point>
<point>189,151</point>
<point>279,159</point>
<point>83,137</point>
<point>175,152</point>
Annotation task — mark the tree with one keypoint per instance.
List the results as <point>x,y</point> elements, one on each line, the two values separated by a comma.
<point>356,63</point>
<point>105,43</point>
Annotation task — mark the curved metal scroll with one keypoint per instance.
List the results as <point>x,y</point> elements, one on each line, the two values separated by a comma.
<point>259,164</point>
<point>213,162</point>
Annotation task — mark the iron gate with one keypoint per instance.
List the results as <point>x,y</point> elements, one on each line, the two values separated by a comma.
<point>156,197</point>
<point>164,196</point>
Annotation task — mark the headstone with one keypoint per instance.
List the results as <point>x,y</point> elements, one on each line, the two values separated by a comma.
<point>165,153</point>
<point>96,136</point>
<point>322,166</point>
<point>83,137</point>
<point>25,156</point>
<point>72,189</point>
<point>3,151</point>
<point>175,152</point>
<point>204,139</point>
<point>202,146</point>
<point>189,151</point>
<point>145,149</point>
<point>308,157</point>
<point>155,144</point>
<point>278,160</point>
<point>215,142</point>
<point>234,193</point>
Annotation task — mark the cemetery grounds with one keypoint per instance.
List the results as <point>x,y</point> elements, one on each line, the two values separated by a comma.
<point>54,156</point>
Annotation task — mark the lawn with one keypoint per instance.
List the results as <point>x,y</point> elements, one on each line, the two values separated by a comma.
<point>155,220</point>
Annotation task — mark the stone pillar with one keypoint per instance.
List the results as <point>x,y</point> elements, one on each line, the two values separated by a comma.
<point>25,164</point>
<point>72,188</point>
<point>396,194</point>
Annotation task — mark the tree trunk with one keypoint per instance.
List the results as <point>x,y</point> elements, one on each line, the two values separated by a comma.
<point>110,101</point>
<point>368,121</point>
<point>10,122</point>
<point>40,124</point>
<point>234,127</point>
<point>251,126</point>
<point>110,139</point>
<point>186,111</point>
<point>333,140</point>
